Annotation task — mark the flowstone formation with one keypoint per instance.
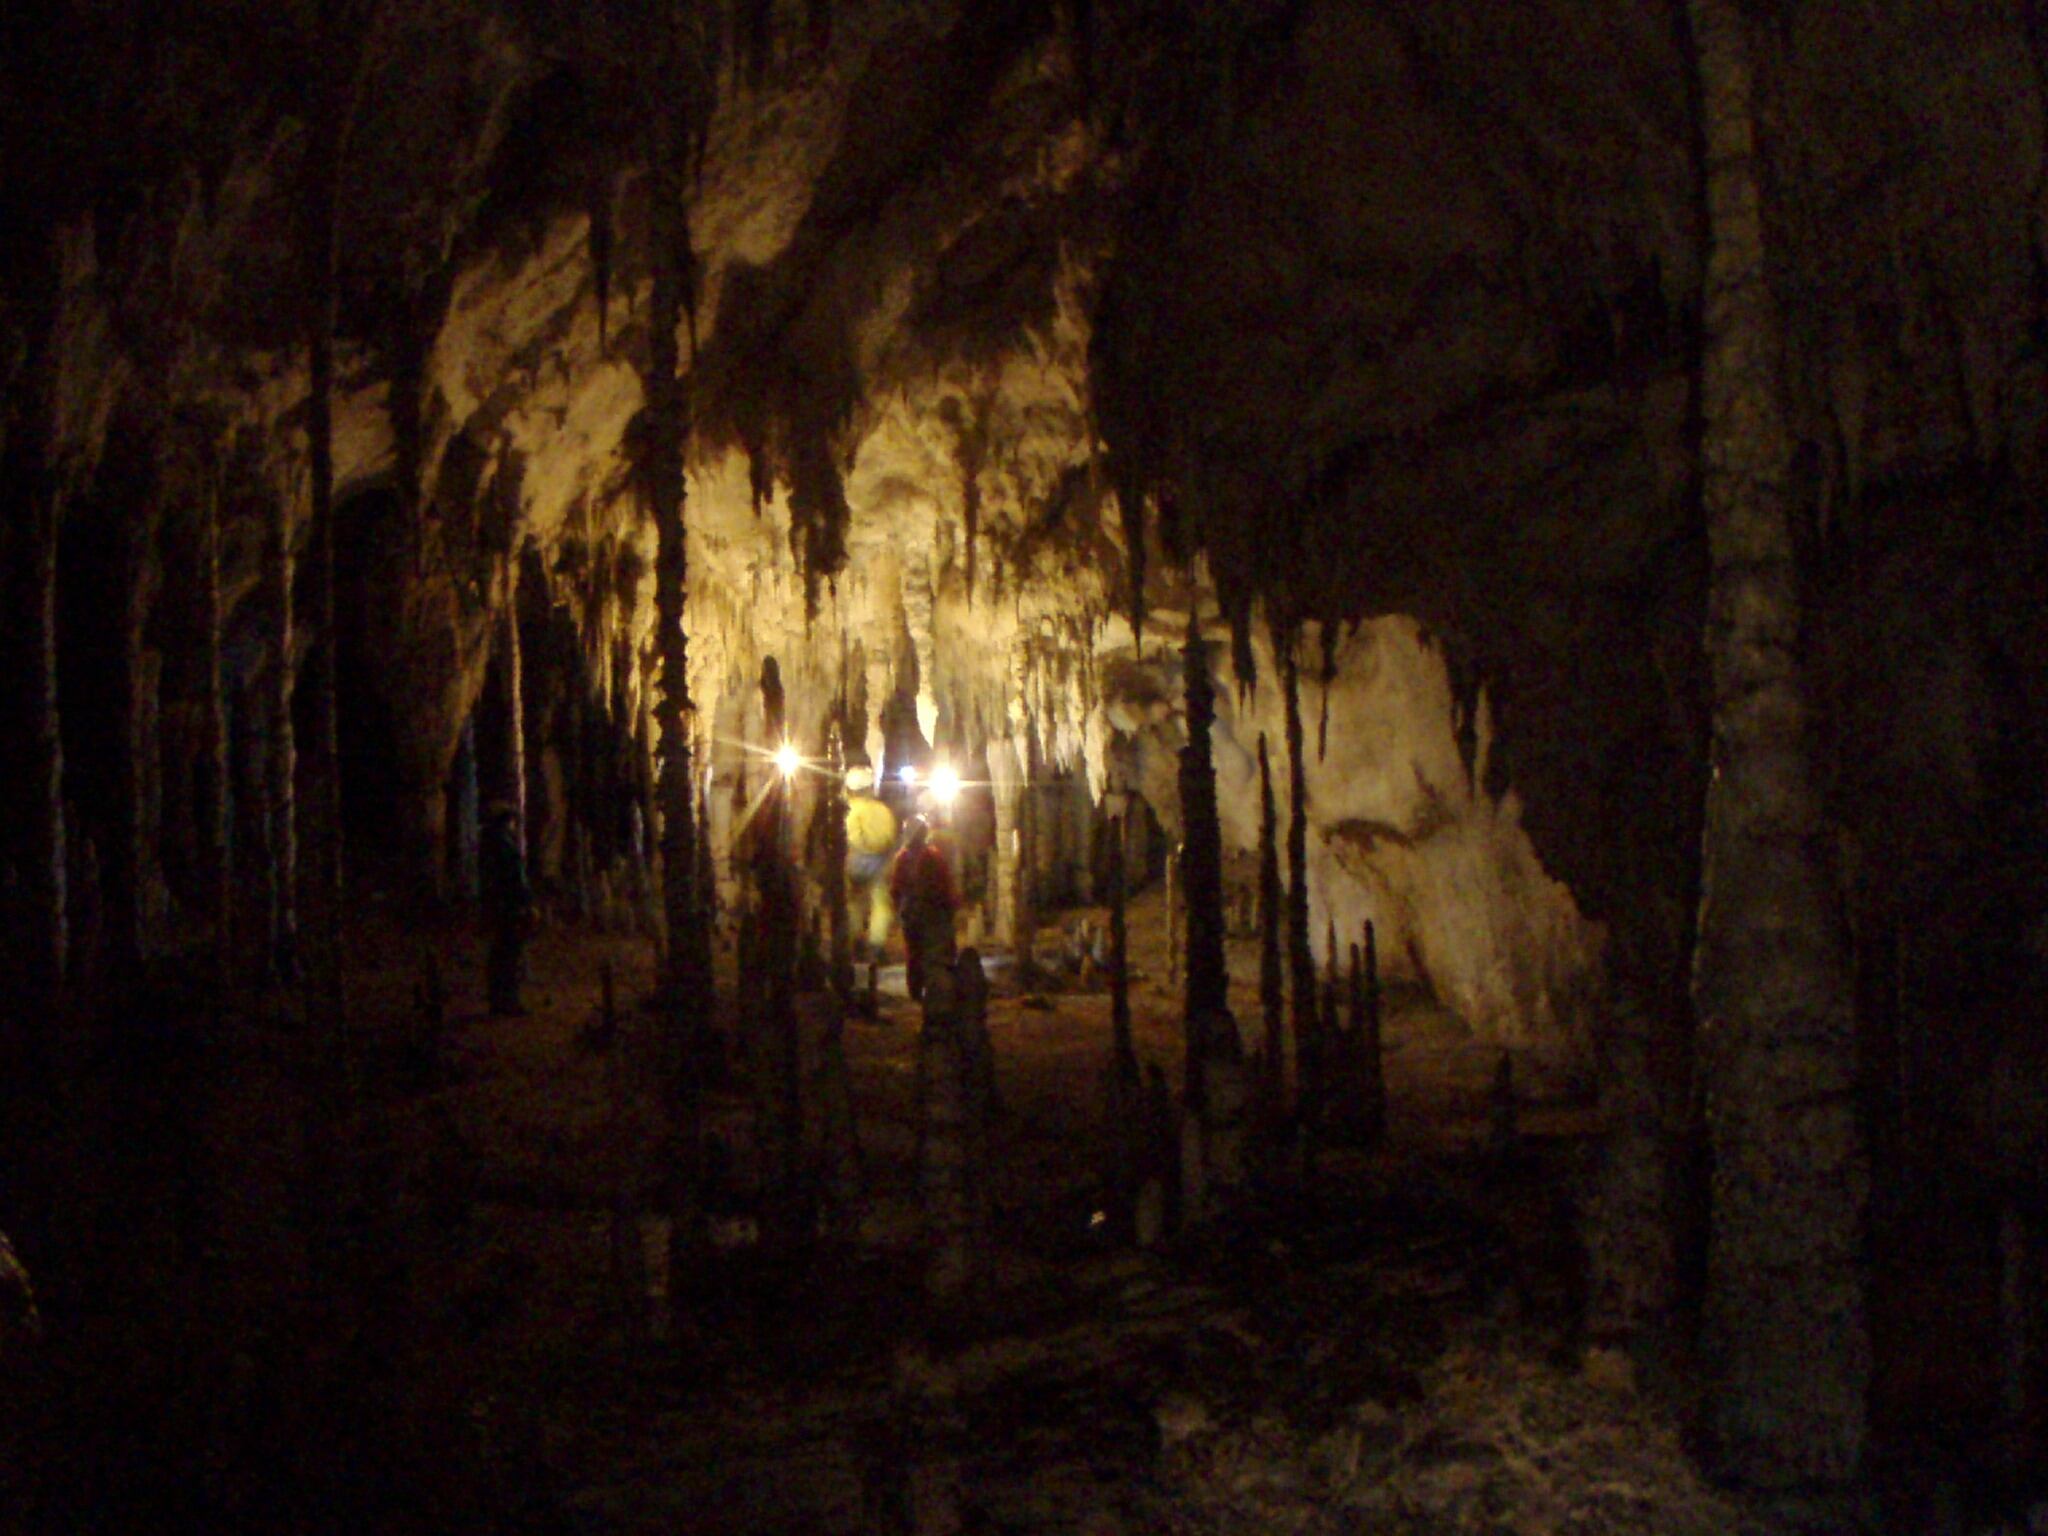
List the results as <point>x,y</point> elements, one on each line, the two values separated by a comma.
<point>1404,831</point>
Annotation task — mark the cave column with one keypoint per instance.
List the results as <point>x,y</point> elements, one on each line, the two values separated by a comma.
<point>1771,981</point>
<point>46,851</point>
<point>134,873</point>
<point>283,863</point>
<point>216,745</point>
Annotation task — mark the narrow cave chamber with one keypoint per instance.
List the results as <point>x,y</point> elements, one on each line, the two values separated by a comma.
<point>932,767</point>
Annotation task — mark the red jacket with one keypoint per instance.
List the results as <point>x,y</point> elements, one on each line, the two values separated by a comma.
<point>922,877</point>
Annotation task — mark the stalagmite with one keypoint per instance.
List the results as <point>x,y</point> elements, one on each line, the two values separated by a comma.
<point>283,869</point>
<point>1771,980</point>
<point>1503,1131</point>
<point>1272,974</point>
<point>467,829</point>
<point>133,872</point>
<point>1125,1053</point>
<point>1207,998</point>
<point>45,850</point>
<point>48,857</point>
<point>508,778</point>
<point>2018,1312</point>
<point>831,1089</point>
<point>778,918</point>
<point>1173,910</point>
<point>706,895</point>
<point>1301,964</point>
<point>1126,1147</point>
<point>1226,1103</point>
<point>217,748</point>
<point>971,1004</point>
<point>1372,1056</point>
<point>951,1173</point>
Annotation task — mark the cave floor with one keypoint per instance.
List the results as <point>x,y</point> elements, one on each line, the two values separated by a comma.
<point>438,1343</point>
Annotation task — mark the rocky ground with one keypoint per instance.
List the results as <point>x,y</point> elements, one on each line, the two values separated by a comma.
<point>408,1318</point>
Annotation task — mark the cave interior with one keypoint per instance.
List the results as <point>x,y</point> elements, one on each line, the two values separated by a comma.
<point>1462,591</point>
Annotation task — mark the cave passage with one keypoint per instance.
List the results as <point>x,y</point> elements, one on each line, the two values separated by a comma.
<point>900,766</point>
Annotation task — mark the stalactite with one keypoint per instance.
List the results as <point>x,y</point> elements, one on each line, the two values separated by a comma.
<point>1333,1014</point>
<point>1771,980</point>
<point>1272,972</point>
<point>1208,982</point>
<point>1243,661</point>
<point>1301,965</point>
<point>1131,510</point>
<point>917,617</point>
<point>1330,634</point>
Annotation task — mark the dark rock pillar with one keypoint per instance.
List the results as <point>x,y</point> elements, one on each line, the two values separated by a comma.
<point>215,745</point>
<point>1272,973</point>
<point>1301,962</point>
<point>1772,982</point>
<point>778,918</point>
<point>283,866</point>
<point>1208,982</point>
<point>465,835</point>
